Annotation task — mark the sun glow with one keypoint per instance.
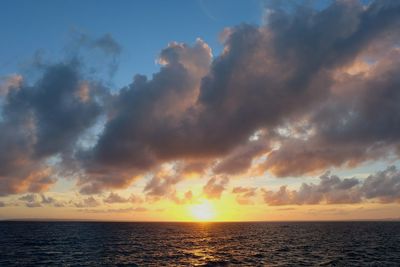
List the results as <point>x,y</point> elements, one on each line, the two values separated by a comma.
<point>203,211</point>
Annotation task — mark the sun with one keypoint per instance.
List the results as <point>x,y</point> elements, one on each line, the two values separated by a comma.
<point>203,211</point>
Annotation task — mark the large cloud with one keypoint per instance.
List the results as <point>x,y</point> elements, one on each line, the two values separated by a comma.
<point>41,121</point>
<point>321,85</point>
<point>266,77</point>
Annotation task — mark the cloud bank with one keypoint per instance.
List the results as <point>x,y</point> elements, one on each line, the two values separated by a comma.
<point>380,187</point>
<point>309,90</point>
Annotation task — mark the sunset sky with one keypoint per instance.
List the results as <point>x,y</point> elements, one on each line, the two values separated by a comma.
<point>200,110</point>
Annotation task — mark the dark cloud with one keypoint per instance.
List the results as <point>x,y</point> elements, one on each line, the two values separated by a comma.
<point>41,121</point>
<point>240,159</point>
<point>358,123</point>
<point>36,200</point>
<point>322,85</point>
<point>382,187</point>
<point>266,77</point>
<point>51,201</point>
<point>31,200</point>
<point>215,186</point>
<point>28,198</point>
<point>161,185</point>
<point>144,129</point>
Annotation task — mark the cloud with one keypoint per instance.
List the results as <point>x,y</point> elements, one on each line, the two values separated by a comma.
<point>215,186</point>
<point>357,124</point>
<point>384,185</point>
<point>245,195</point>
<point>102,53</point>
<point>147,113</point>
<point>321,85</point>
<point>28,198</point>
<point>266,77</point>
<point>240,159</point>
<point>187,198</point>
<point>31,201</point>
<point>41,121</point>
<point>51,201</point>
<point>36,200</point>
<point>115,198</point>
<point>10,82</point>
<point>162,184</point>
<point>87,202</point>
<point>381,187</point>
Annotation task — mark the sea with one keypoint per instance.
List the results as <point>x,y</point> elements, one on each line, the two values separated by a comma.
<point>199,244</point>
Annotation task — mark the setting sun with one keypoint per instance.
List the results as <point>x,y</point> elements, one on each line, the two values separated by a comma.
<point>203,211</point>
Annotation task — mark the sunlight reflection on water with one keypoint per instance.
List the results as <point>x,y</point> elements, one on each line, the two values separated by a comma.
<point>199,244</point>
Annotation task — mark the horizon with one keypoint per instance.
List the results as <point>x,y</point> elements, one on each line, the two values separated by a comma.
<point>200,111</point>
<point>192,221</point>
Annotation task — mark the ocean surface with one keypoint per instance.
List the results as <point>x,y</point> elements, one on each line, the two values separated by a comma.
<point>199,244</point>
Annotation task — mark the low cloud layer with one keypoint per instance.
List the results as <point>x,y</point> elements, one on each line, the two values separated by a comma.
<point>309,90</point>
<point>381,187</point>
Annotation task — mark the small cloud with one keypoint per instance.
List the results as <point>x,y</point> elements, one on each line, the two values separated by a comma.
<point>87,202</point>
<point>115,198</point>
<point>215,186</point>
<point>244,195</point>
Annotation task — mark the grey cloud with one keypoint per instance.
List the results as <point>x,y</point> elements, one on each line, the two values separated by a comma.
<point>108,44</point>
<point>28,198</point>
<point>36,200</point>
<point>200,109</point>
<point>115,198</point>
<point>358,123</point>
<point>41,121</point>
<point>147,114</point>
<point>51,201</point>
<point>266,77</point>
<point>98,52</point>
<point>161,185</point>
<point>87,202</point>
<point>382,187</point>
<point>31,201</point>
<point>240,159</point>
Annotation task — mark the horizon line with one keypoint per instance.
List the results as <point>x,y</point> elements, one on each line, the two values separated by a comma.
<point>187,221</point>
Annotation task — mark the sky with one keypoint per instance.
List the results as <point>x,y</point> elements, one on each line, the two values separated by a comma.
<point>203,110</point>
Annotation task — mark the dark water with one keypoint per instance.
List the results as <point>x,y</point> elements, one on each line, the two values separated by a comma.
<point>191,244</point>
